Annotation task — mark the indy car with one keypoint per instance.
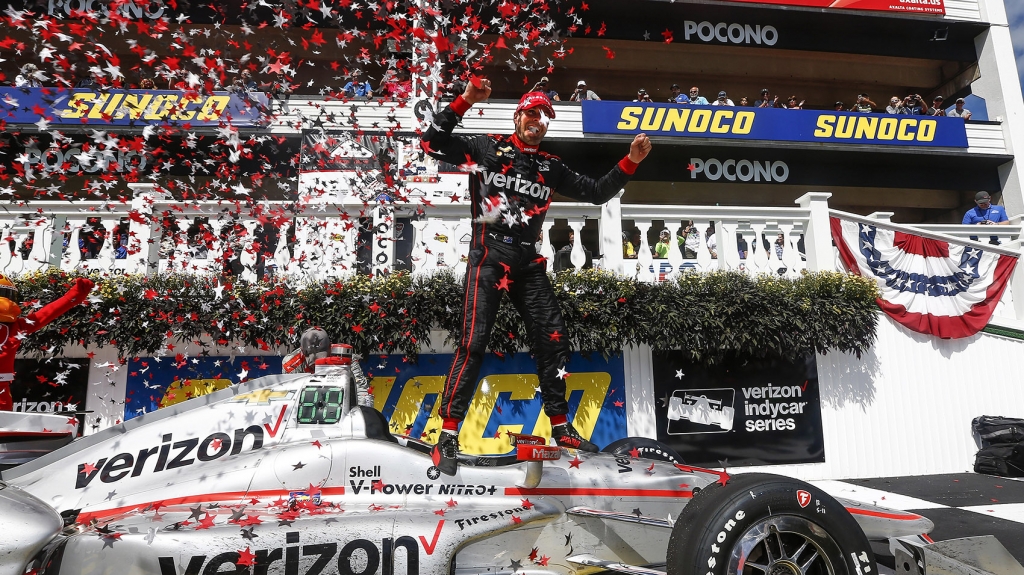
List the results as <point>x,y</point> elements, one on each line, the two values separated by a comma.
<point>286,474</point>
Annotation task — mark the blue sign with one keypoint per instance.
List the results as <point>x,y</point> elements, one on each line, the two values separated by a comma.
<point>155,382</point>
<point>743,123</point>
<point>129,107</point>
<point>507,399</point>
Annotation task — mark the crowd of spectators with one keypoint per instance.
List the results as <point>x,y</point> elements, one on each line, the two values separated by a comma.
<point>912,104</point>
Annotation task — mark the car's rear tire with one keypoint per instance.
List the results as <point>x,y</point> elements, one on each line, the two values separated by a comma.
<point>761,524</point>
<point>645,447</point>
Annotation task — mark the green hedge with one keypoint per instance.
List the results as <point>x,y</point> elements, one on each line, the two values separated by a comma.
<point>711,316</point>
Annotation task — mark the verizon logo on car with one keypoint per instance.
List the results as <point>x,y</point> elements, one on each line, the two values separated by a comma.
<point>743,170</point>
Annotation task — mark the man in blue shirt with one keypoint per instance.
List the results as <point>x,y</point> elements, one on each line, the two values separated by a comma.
<point>358,88</point>
<point>696,98</point>
<point>677,96</point>
<point>985,213</point>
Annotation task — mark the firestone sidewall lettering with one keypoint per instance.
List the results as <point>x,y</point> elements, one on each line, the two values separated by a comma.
<point>770,124</point>
<point>717,547</point>
<point>739,170</point>
<point>727,33</point>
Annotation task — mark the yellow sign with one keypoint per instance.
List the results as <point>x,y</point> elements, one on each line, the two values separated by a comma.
<point>486,408</point>
<point>144,105</point>
<point>185,389</point>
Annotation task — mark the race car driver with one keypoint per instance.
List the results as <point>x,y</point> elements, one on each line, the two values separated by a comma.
<point>511,185</point>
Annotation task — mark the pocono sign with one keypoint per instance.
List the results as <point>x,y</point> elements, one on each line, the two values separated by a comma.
<point>742,170</point>
<point>741,123</point>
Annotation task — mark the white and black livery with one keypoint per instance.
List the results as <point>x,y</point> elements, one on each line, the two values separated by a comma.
<point>283,475</point>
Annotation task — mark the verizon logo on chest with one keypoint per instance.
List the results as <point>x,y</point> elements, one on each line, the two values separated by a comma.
<point>516,184</point>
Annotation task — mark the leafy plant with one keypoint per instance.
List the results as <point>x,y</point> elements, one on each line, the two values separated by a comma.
<point>713,317</point>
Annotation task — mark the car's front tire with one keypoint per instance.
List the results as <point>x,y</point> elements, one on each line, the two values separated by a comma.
<point>760,524</point>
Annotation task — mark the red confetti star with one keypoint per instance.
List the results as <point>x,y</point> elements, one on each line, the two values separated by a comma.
<point>576,461</point>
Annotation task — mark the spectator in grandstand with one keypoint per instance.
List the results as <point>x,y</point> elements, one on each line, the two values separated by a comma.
<point>792,104</point>
<point>936,109</point>
<point>244,82</point>
<point>91,238</point>
<point>984,213</point>
<point>723,100</point>
<point>678,96</point>
<point>864,104</point>
<point>959,111</point>
<point>840,107</point>
<point>712,241</point>
<point>26,247</point>
<point>766,100</point>
<point>582,93</point>
<point>542,86</point>
<point>914,105</point>
<point>147,84</point>
<point>28,78</point>
<point>395,85</point>
<point>663,246</point>
<point>562,257</point>
<point>895,106</point>
<point>691,242</point>
<point>642,96</point>
<point>627,247</point>
<point>357,87</point>
<point>696,98</point>
<point>743,102</point>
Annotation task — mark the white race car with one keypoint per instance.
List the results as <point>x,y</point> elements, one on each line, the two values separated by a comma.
<point>283,475</point>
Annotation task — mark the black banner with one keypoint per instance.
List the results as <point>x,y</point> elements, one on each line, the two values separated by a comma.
<point>50,386</point>
<point>761,413</point>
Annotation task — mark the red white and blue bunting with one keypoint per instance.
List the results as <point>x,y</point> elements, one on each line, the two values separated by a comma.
<point>929,286</point>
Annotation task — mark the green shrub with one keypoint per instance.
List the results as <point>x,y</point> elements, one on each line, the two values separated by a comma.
<point>710,316</point>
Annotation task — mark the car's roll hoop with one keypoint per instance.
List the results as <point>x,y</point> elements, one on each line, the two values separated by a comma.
<point>533,449</point>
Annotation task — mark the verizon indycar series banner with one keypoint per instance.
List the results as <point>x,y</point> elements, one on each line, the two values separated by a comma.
<point>507,399</point>
<point>761,413</point>
<point>50,386</point>
<point>58,106</point>
<point>742,123</point>
<point>909,6</point>
<point>929,286</point>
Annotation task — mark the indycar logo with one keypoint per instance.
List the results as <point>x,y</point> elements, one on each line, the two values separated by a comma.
<point>695,410</point>
<point>355,556</point>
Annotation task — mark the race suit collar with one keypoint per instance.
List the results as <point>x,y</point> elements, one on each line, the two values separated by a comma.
<point>523,147</point>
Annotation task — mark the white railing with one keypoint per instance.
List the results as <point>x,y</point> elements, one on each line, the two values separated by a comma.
<point>320,240</point>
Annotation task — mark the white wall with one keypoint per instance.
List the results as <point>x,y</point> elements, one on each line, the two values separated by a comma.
<point>905,407</point>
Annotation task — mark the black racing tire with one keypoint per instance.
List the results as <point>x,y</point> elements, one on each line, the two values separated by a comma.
<point>746,521</point>
<point>647,447</point>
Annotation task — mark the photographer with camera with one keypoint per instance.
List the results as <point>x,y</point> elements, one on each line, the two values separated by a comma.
<point>542,86</point>
<point>914,105</point>
<point>582,93</point>
<point>864,104</point>
<point>642,96</point>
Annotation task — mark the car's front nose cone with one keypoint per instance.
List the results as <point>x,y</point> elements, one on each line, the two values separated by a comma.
<point>26,525</point>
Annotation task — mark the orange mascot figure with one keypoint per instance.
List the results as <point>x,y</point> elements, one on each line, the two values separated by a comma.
<point>13,327</point>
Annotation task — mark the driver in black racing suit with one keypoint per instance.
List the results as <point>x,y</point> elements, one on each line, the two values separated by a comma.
<point>511,185</point>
